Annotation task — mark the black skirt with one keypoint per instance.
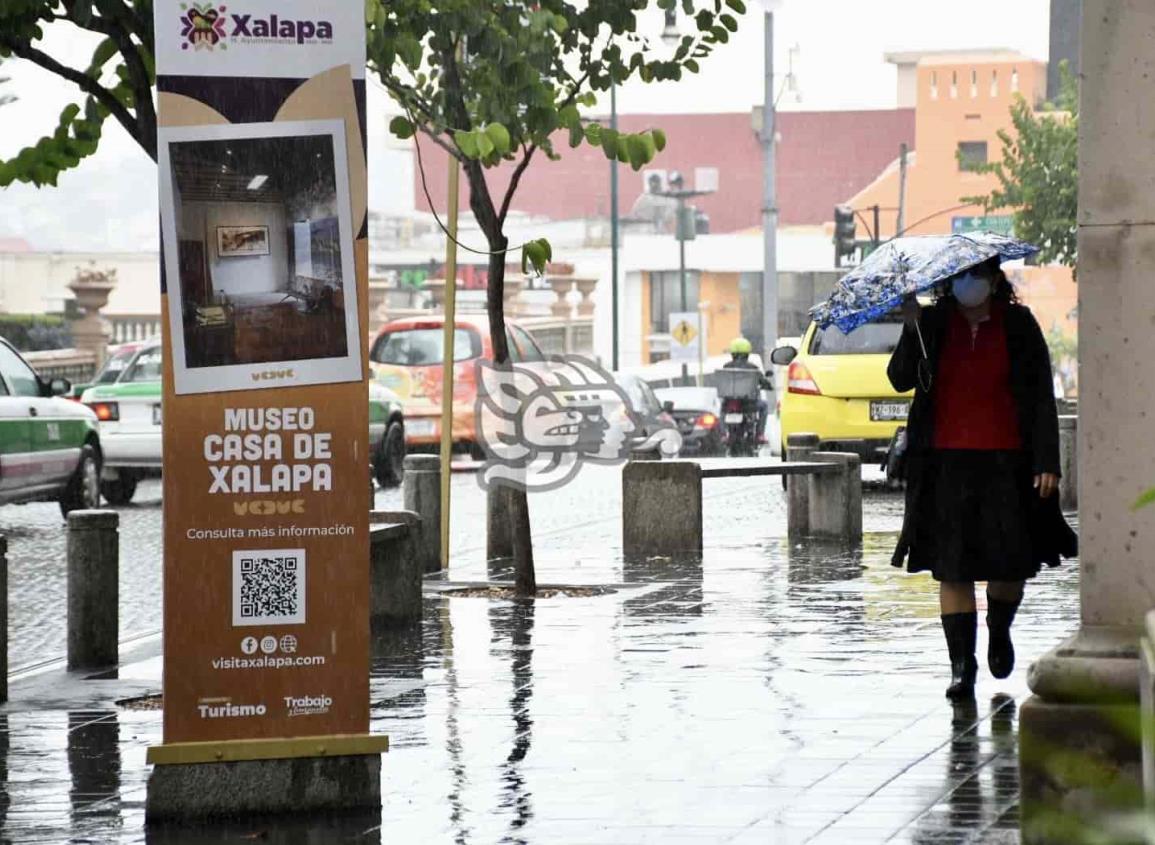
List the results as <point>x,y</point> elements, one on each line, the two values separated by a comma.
<point>975,517</point>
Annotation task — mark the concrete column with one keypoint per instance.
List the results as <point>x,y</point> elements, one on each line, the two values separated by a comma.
<point>799,447</point>
<point>90,331</point>
<point>395,568</point>
<point>3,618</point>
<point>1068,463</point>
<point>836,498</point>
<point>561,286</point>
<point>1147,710</point>
<point>1099,667</point>
<point>421,494</point>
<point>661,509</point>
<point>93,589</point>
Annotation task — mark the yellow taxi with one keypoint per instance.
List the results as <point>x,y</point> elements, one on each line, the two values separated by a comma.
<point>836,387</point>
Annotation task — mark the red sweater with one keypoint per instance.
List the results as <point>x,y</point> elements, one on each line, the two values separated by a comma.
<point>973,405</point>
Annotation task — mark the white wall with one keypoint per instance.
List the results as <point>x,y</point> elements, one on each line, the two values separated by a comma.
<point>240,274</point>
<point>37,282</point>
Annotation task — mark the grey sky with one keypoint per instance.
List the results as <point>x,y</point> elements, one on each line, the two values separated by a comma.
<point>110,203</point>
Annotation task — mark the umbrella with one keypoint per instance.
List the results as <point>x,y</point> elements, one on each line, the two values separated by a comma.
<point>906,266</point>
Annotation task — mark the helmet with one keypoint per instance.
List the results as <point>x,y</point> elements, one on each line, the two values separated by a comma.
<point>740,346</point>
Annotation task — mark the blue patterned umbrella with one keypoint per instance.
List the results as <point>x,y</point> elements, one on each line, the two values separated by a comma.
<point>905,266</point>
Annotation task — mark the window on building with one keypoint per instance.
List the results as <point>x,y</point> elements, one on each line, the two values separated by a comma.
<point>1014,79</point>
<point>974,83</point>
<point>994,83</point>
<point>934,85</point>
<point>971,154</point>
<point>666,296</point>
<point>954,84</point>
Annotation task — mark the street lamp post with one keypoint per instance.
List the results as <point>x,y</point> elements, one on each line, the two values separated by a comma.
<point>614,225</point>
<point>769,194</point>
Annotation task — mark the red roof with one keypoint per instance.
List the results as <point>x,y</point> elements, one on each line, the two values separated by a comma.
<point>823,158</point>
<point>14,245</point>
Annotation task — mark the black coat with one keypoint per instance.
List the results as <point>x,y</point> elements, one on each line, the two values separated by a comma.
<point>1033,392</point>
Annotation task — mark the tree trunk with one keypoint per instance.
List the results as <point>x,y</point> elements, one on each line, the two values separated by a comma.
<point>516,501</point>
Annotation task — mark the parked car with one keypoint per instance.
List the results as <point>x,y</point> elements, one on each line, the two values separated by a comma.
<point>386,435</point>
<point>130,413</point>
<point>837,388</point>
<point>119,357</point>
<point>407,357</point>
<point>129,410</point>
<point>697,411</point>
<point>49,447</point>
<point>654,416</point>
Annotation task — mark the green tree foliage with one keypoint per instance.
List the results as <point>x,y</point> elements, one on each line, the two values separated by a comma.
<point>1038,175</point>
<point>117,81</point>
<point>493,81</point>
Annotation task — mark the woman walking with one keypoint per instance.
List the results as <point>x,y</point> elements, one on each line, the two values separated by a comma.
<point>982,461</point>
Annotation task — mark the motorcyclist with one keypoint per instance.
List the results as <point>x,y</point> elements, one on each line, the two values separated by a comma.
<point>740,349</point>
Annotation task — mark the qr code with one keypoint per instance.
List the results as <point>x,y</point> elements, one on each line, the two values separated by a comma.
<point>269,587</point>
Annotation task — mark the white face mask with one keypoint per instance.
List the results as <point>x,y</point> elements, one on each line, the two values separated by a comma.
<point>970,290</point>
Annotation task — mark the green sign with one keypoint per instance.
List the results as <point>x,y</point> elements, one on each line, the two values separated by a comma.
<point>1000,224</point>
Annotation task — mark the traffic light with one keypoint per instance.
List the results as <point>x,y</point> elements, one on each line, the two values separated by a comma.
<point>843,233</point>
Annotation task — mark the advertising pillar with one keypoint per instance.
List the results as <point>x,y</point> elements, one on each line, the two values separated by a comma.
<point>262,171</point>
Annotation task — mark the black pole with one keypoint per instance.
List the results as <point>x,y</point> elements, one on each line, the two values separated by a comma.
<point>681,235</point>
<point>876,237</point>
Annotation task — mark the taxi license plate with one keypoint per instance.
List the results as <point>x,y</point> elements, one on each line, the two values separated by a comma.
<point>421,428</point>
<point>889,411</point>
<point>733,419</point>
<point>156,414</point>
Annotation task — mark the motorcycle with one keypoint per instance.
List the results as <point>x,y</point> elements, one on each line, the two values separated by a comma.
<point>738,391</point>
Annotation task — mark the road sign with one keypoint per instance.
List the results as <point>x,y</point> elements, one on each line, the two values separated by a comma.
<point>685,336</point>
<point>1002,224</point>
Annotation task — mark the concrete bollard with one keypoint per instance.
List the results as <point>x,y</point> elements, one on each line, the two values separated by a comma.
<point>499,523</point>
<point>1069,462</point>
<point>421,494</point>
<point>395,570</point>
<point>3,618</point>
<point>661,508</point>
<point>836,498</point>
<point>799,447</point>
<point>93,589</point>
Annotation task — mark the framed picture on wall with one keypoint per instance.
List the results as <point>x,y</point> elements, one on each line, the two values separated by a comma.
<point>242,240</point>
<point>276,194</point>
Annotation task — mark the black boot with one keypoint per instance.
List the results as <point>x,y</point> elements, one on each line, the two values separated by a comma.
<point>960,630</point>
<point>1000,649</point>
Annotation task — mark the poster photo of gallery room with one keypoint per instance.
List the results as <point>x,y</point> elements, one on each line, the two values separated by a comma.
<point>260,250</point>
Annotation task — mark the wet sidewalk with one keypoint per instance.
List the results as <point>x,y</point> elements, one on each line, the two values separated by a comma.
<point>767,694</point>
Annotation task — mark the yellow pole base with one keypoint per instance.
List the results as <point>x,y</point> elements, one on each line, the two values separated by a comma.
<point>232,750</point>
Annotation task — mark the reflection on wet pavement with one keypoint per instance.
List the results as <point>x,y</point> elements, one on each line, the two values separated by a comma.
<point>768,693</point>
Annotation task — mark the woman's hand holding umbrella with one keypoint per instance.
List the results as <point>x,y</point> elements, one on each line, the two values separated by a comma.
<point>1046,483</point>
<point>911,311</point>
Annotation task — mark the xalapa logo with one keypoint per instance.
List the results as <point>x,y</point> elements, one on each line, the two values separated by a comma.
<point>538,423</point>
<point>202,26</point>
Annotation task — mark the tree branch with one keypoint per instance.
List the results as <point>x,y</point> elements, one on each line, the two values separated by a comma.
<point>84,81</point>
<point>141,84</point>
<point>513,183</point>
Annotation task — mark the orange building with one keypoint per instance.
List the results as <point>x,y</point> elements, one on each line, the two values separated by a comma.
<point>962,100</point>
